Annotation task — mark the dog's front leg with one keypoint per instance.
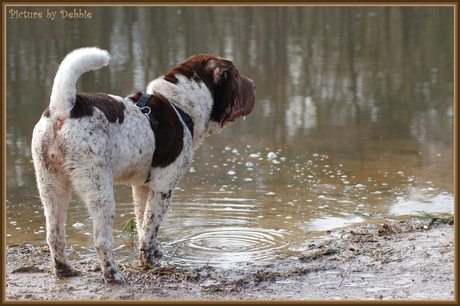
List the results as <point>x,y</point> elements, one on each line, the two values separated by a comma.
<point>155,210</point>
<point>141,195</point>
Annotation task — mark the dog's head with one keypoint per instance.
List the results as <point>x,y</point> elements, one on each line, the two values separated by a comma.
<point>233,94</point>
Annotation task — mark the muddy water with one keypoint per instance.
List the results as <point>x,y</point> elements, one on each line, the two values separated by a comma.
<point>353,123</point>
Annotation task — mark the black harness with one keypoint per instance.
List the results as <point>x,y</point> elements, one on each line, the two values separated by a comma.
<point>154,123</point>
<point>142,104</point>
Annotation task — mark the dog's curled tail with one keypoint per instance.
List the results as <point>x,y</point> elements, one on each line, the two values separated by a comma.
<point>72,67</point>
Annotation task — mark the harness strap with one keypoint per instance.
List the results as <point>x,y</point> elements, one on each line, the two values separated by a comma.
<point>147,111</point>
<point>154,123</point>
<point>186,118</point>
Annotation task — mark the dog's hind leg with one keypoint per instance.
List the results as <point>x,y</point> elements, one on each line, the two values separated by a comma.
<point>55,192</point>
<point>94,185</point>
<point>54,189</point>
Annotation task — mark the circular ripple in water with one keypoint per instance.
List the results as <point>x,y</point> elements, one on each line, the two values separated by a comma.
<point>226,245</point>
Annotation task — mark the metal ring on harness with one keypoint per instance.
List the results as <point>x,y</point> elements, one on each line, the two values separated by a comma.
<point>147,112</point>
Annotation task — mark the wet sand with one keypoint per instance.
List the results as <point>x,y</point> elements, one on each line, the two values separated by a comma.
<point>411,260</point>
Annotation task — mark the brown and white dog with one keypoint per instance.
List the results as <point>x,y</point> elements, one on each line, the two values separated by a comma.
<point>88,142</point>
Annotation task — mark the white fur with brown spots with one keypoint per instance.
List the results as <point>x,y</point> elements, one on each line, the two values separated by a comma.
<point>88,142</point>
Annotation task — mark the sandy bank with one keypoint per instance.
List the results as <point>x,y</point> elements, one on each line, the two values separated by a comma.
<point>392,261</point>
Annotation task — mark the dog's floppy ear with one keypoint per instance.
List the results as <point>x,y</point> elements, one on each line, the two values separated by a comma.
<point>218,66</point>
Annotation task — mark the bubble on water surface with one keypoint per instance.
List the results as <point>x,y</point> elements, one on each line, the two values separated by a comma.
<point>271,155</point>
<point>78,225</point>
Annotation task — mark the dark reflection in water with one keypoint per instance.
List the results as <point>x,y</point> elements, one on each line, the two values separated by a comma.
<point>356,102</point>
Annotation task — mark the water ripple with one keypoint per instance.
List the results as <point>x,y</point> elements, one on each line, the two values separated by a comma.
<point>226,245</point>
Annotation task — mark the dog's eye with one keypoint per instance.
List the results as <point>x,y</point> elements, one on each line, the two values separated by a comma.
<point>223,77</point>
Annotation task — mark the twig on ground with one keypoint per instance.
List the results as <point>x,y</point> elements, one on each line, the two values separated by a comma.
<point>345,275</point>
<point>174,253</point>
<point>207,266</point>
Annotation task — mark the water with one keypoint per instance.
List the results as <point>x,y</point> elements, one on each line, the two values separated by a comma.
<point>353,123</point>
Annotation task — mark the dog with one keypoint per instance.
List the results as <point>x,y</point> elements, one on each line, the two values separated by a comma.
<point>87,142</point>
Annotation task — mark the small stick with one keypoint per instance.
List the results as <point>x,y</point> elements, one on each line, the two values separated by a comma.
<point>174,252</point>
<point>345,275</point>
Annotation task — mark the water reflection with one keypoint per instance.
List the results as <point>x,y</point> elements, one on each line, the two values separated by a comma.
<point>353,123</point>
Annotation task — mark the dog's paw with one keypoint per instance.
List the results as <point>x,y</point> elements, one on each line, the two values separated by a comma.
<point>158,253</point>
<point>150,266</point>
<point>115,278</point>
<point>69,272</point>
<point>150,258</point>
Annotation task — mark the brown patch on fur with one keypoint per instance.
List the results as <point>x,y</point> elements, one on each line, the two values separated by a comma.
<point>171,78</point>
<point>47,112</point>
<point>193,67</point>
<point>169,136</point>
<point>165,195</point>
<point>135,97</point>
<point>85,103</point>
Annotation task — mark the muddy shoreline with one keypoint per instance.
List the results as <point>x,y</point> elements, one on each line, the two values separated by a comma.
<point>411,260</point>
